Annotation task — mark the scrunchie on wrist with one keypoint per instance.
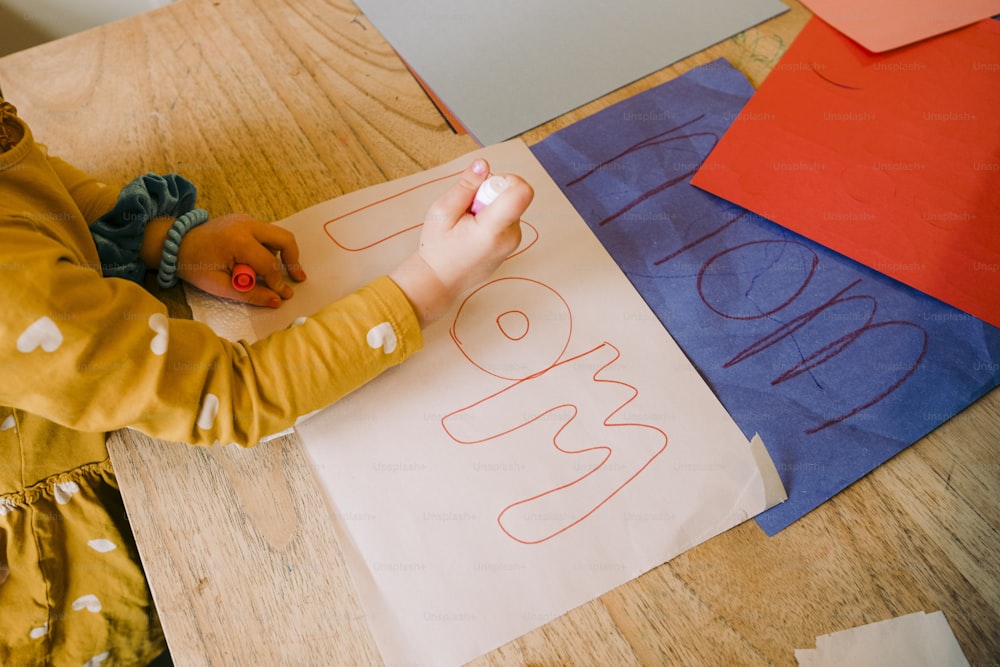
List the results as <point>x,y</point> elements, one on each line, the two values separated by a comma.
<point>118,234</point>
<point>167,275</point>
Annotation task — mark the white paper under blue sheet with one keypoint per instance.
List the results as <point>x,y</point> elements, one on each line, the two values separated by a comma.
<point>505,67</point>
<point>837,366</point>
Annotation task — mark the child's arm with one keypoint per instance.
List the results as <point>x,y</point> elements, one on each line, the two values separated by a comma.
<point>112,358</point>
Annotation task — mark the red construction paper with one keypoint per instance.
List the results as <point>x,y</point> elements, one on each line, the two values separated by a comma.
<point>881,25</point>
<point>891,159</point>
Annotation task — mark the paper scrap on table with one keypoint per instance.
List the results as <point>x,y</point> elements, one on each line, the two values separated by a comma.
<point>892,159</point>
<point>836,366</point>
<point>882,25</point>
<point>505,67</point>
<point>549,443</point>
<point>914,640</point>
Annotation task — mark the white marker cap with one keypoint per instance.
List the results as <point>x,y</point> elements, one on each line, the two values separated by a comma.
<point>488,191</point>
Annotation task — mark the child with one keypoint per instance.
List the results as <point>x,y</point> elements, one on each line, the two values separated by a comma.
<point>84,353</point>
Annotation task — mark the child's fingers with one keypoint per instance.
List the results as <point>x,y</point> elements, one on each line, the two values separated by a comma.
<point>280,240</point>
<point>261,296</point>
<point>456,200</point>
<point>506,210</point>
<point>220,284</point>
<point>262,257</point>
<point>267,266</point>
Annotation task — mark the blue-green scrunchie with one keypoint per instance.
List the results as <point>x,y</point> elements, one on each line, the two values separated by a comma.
<point>118,233</point>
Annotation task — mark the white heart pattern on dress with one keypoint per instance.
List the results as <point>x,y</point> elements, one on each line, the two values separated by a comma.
<point>102,545</point>
<point>158,323</point>
<point>97,659</point>
<point>64,491</point>
<point>8,423</point>
<point>39,632</point>
<point>382,335</point>
<point>43,333</point>
<point>88,602</point>
<point>209,409</point>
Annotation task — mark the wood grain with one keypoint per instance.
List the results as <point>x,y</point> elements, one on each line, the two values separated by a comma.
<point>271,106</point>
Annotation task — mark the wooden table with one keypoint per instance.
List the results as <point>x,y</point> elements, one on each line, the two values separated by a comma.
<point>274,105</point>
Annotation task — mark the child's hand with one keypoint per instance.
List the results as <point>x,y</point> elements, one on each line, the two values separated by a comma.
<point>211,250</point>
<point>459,250</point>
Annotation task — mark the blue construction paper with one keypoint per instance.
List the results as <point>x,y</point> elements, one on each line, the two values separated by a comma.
<point>837,366</point>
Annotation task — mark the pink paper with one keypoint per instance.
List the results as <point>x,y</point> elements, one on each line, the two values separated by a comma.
<point>881,25</point>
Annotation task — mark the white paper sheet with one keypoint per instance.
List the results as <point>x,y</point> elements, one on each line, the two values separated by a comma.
<point>463,524</point>
<point>914,640</point>
<point>505,67</point>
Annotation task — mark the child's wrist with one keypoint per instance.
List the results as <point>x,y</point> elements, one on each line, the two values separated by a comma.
<point>166,276</point>
<point>152,241</point>
<point>430,296</point>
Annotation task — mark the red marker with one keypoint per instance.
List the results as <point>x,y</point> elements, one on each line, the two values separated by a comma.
<point>244,277</point>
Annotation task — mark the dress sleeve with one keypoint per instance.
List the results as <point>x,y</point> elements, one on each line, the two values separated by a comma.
<point>98,354</point>
<point>93,197</point>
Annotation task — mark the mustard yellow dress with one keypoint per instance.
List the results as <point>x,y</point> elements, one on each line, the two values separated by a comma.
<point>81,355</point>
